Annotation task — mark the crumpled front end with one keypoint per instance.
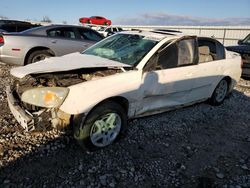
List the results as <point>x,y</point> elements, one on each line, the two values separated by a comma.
<point>33,116</point>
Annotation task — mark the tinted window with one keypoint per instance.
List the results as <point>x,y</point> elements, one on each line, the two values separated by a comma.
<point>88,34</point>
<point>15,26</point>
<point>62,32</point>
<point>220,50</point>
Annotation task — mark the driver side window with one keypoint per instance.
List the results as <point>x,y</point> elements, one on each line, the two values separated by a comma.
<point>181,53</point>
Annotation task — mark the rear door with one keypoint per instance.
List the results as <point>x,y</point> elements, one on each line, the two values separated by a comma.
<point>211,68</point>
<point>64,40</point>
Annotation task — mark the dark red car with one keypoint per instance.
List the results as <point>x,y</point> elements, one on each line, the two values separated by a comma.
<point>98,20</point>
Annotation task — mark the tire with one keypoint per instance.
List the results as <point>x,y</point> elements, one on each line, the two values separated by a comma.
<point>38,56</point>
<point>94,132</point>
<point>219,93</point>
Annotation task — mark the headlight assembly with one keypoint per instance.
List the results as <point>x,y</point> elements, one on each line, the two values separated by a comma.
<point>49,97</point>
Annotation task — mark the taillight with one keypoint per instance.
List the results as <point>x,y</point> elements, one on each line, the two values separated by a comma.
<point>1,39</point>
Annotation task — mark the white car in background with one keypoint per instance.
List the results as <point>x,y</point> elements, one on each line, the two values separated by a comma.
<point>107,31</point>
<point>128,75</point>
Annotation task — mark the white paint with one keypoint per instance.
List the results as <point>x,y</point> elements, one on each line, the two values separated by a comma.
<point>147,92</point>
<point>82,97</point>
<point>154,91</point>
<point>65,63</point>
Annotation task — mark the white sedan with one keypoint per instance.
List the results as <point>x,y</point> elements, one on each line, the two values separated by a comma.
<point>127,75</point>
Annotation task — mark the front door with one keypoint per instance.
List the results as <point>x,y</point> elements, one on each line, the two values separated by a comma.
<point>168,77</point>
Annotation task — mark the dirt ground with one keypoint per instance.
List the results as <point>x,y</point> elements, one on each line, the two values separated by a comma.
<point>198,146</point>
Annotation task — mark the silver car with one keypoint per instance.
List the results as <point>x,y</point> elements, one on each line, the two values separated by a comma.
<point>38,43</point>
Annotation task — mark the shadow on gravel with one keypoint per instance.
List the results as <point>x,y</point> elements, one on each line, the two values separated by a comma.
<point>184,148</point>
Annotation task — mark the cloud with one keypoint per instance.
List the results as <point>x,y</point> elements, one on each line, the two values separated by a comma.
<point>170,19</point>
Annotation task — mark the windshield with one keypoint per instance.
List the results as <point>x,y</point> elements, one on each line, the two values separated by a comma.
<point>246,40</point>
<point>124,48</point>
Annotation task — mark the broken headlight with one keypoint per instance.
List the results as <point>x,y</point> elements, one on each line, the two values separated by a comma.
<point>49,97</point>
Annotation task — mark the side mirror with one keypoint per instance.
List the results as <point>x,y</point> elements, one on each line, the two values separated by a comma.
<point>239,42</point>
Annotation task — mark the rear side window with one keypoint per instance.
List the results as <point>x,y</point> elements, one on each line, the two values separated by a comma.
<point>62,32</point>
<point>220,50</point>
<point>15,26</point>
<point>88,34</point>
<point>210,50</point>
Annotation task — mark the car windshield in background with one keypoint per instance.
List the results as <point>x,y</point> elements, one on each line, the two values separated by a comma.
<point>32,30</point>
<point>246,40</point>
<point>125,48</point>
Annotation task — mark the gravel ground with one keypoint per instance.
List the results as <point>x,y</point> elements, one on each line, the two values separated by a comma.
<point>197,146</point>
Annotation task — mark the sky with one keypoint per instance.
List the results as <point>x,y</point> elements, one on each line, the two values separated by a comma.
<point>132,12</point>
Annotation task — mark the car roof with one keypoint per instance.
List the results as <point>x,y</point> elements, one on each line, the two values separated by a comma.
<point>155,34</point>
<point>42,29</point>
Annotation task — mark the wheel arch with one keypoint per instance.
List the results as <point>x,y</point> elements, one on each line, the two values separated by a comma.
<point>37,48</point>
<point>117,99</point>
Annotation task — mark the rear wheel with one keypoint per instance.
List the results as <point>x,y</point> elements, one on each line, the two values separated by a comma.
<point>102,127</point>
<point>38,56</point>
<point>219,93</point>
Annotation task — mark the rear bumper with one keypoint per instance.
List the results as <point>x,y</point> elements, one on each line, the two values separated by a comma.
<point>12,58</point>
<point>24,118</point>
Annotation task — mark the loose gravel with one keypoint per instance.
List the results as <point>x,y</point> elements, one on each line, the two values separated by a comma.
<point>197,146</point>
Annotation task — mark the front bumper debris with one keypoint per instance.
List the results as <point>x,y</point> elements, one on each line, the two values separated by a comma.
<point>24,118</point>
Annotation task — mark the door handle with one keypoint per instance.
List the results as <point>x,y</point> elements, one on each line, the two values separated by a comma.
<point>53,41</point>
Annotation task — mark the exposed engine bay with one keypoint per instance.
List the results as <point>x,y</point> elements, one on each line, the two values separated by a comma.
<point>45,117</point>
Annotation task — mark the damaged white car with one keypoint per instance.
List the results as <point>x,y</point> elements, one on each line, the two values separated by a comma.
<point>127,75</point>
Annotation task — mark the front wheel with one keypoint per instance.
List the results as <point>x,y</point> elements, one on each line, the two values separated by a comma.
<point>219,93</point>
<point>102,127</point>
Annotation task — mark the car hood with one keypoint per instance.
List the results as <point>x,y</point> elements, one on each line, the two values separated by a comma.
<point>65,63</point>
